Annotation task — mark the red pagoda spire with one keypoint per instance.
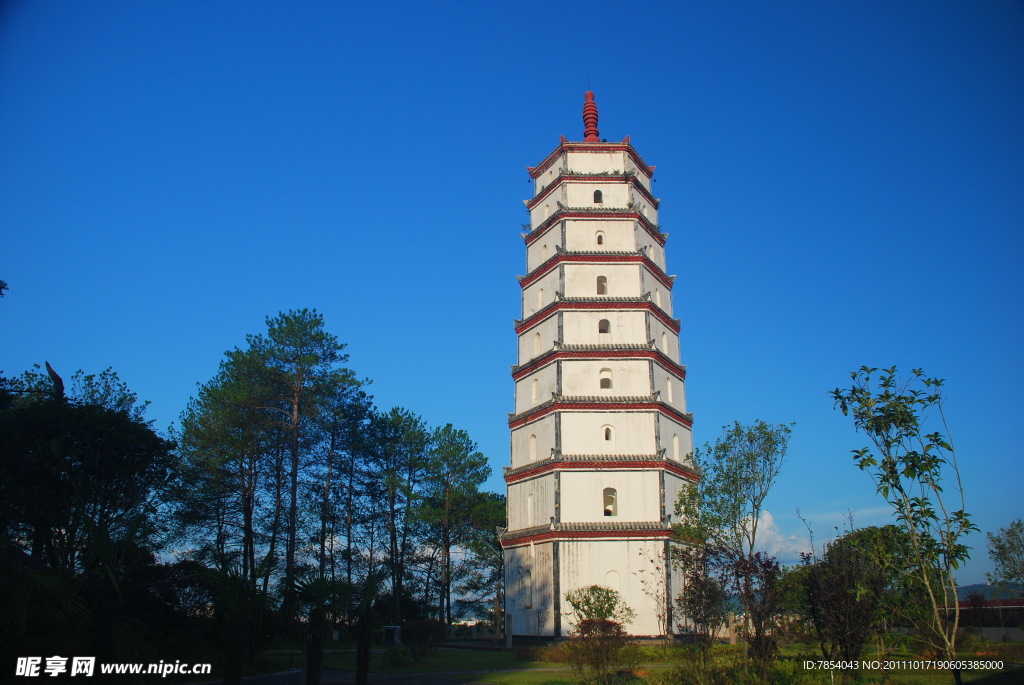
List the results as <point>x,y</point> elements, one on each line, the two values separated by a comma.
<point>590,134</point>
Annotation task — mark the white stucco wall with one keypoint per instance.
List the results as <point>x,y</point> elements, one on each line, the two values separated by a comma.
<point>670,427</point>
<point>550,174</point>
<point>673,486</point>
<point>544,429</point>
<point>614,194</point>
<point>632,432</point>
<point>581,235</point>
<point>547,206</point>
<point>655,251</point>
<point>548,330</point>
<point>661,382</point>
<point>533,299</point>
<point>546,385</point>
<point>584,563</point>
<point>644,207</point>
<point>596,162</point>
<point>580,327</point>
<point>669,344</point>
<point>638,495</point>
<point>581,280</point>
<point>640,175</point>
<point>629,377</point>
<point>539,618</point>
<point>543,248</point>
<point>661,294</point>
<point>542,489</point>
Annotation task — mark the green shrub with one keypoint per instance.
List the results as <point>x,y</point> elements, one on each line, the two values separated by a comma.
<point>396,656</point>
<point>422,636</point>
<point>600,652</point>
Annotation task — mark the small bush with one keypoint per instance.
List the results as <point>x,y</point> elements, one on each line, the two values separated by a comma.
<point>397,656</point>
<point>600,652</point>
<point>422,636</point>
<point>969,643</point>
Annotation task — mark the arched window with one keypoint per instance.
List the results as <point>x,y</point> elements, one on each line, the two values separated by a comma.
<point>527,589</point>
<point>544,253</point>
<point>604,326</point>
<point>664,343</point>
<point>600,238</point>
<point>534,389</point>
<point>606,379</point>
<point>529,510</point>
<point>540,298</point>
<point>533,448</point>
<point>657,297</point>
<point>536,343</point>
<point>547,211</point>
<point>598,197</point>
<point>609,434</point>
<point>668,389</point>
<point>675,446</point>
<point>602,285</point>
<point>611,502</point>
<point>611,580</point>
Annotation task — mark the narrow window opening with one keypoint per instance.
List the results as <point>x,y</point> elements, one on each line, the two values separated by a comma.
<point>534,389</point>
<point>540,298</point>
<point>529,510</point>
<point>604,326</point>
<point>606,379</point>
<point>600,238</point>
<point>536,344</point>
<point>602,285</point>
<point>668,389</point>
<point>598,197</point>
<point>533,448</point>
<point>611,503</point>
<point>608,434</point>
<point>611,580</point>
<point>675,446</point>
<point>527,589</point>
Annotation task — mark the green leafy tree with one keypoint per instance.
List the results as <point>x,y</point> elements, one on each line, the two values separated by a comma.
<point>68,463</point>
<point>266,424</point>
<point>723,509</point>
<point>916,472</point>
<point>82,479</point>
<point>595,602</point>
<point>725,505</point>
<point>1006,550</point>
<point>481,581</point>
<point>599,650</point>
<point>844,592</point>
<point>294,367</point>
<point>232,480</point>
<point>397,456</point>
<point>704,600</point>
<point>450,490</point>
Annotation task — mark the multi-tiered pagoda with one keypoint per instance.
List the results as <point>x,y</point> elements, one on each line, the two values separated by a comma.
<point>600,431</point>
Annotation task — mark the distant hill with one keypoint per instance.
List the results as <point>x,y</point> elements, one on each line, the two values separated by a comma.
<point>1011,591</point>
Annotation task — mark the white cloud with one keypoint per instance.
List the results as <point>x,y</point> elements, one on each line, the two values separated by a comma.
<point>786,546</point>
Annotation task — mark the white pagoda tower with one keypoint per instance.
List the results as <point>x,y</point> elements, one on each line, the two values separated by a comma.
<point>600,432</point>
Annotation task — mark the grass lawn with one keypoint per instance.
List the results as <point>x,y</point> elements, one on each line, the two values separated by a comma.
<point>535,667</point>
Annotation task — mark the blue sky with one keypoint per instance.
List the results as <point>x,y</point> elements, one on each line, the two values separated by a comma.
<point>842,182</point>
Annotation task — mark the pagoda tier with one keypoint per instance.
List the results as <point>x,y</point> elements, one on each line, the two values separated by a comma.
<point>600,433</point>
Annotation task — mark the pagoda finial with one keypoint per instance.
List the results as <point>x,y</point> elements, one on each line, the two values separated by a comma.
<point>590,134</point>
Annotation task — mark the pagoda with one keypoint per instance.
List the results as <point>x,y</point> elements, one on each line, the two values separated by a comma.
<point>600,432</point>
